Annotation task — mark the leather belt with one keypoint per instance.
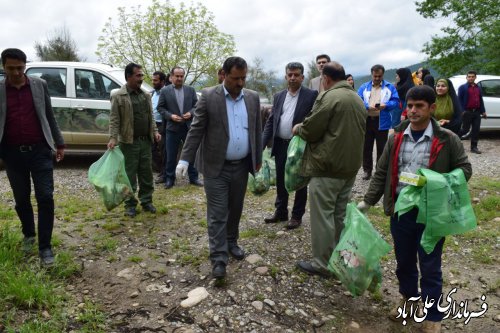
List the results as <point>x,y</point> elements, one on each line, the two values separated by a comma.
<point>233,162</point>
<point>472,110</point>
<point>144,137</point>
<point>283,140</point>
<point>25,148</point>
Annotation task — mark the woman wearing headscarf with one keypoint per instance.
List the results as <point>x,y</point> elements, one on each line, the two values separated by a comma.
<point>448,110</point>
<point>427,78</point>
<point>349,78</point>
<point>404,82</point>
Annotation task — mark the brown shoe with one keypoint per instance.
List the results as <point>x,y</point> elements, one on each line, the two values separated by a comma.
<point>294,223</point>
<point>275,218</point>
<point>431,327</point>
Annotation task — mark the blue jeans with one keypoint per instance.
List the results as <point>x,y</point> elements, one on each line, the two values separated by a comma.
<point>407,233</point>
<point>35,162</point>
<point>172,143</point>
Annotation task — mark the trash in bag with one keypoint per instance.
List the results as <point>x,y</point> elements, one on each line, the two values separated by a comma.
<point>110,179</point>
<point>293,180</point>
<point>443,203</point>
<point>259,184</point>
<point>356,258</point>
<point>266,156</point>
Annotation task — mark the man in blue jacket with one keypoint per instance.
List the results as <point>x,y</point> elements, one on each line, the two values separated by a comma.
<point>380,98</point>
<point>471,100</point>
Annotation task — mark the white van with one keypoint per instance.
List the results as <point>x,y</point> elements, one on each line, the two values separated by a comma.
<point>80,95</point>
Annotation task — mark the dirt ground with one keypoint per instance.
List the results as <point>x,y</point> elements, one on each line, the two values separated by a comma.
<point>139,270</point>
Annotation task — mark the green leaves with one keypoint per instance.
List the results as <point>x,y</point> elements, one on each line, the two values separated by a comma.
<point>470,41</point>
<point>162,36</point>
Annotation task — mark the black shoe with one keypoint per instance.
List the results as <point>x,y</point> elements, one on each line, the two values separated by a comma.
<point>294,223</point>
<point>130,212</point>
<point>237,252</point>
<point>197,182</point>
<point>28,244</point>
<point>367,175</point>
<point>169,184</point>
<point>475,150</point>
<point>308,268</point>
<point>46,257</point>
<point>219,270</point>
<point>275,218</point>
<point>465,136</point>
<point>149,208</point>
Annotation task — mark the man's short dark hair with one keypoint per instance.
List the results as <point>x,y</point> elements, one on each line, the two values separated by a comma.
<point>334,71</point>
<point>421,93</point>
<point>231,62</point>
<point>219,72</point>
<point>295,65</point>
<point>469,72</point>
<point>376,68</point>
<point>13,54</point>
<point>162,75</point>
<point>176,67</point>
<point>323,56</point>
<point>129,69</point>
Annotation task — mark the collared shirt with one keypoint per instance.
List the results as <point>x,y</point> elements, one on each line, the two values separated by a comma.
<point>154,99</point>
<point>414,155</point>
<point>286,119</point>
<point>237,116</point>
<point>179,95</point>
<point>22,126</point>
<point>473,102</point>
<point>141,109</point>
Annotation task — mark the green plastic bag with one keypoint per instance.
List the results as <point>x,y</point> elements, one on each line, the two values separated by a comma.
<point>356,258</point>
<point>443,203</point>
<point>266,156</point>
<point>110,179</point>
<point>295,153</point>
<point>259,184</point>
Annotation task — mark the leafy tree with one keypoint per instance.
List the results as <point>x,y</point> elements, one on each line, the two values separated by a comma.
<point>162,37</point>
<point>312,70</point>
<point>58,47</point>
<point>265,83</point>
<point>471,42</point>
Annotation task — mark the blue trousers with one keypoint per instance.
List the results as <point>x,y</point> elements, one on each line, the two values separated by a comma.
<point>407,233</point>
<point>172,143</point>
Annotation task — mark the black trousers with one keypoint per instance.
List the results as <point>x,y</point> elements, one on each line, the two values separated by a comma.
<point>22,164</point>
<point>158,151</point>
<point>373,134</point>
<point>281,203</point>
<point>471,119</point>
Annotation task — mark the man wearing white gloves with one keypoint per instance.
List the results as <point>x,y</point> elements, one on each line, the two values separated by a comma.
<point>225,137</point>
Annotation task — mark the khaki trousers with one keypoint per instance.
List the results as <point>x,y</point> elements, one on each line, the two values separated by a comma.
<point>328,198</point>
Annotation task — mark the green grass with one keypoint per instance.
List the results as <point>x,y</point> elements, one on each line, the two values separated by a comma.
<point>136,259</point>
<point>251,233</point>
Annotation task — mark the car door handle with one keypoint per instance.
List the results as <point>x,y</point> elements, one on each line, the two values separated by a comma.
<point>78,107</point>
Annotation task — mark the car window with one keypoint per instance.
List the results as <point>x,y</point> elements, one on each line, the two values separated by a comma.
<point>93,85</point>
<point>55,78</point>
<point>490,88</point>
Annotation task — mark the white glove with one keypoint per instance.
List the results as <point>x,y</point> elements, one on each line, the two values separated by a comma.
<point>363,207</point>
<point>181,170</point>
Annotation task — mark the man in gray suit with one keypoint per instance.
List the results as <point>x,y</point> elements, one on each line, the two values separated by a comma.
<point>176,103</point>
<point>28,133</point>
<point>225,137</point>
<point>316,83</point>
<point>290,107</point>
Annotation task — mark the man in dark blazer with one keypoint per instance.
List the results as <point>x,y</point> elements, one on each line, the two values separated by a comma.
<point>225,137</point>
<point>176,103</point>
<point>290,107</point>
<point>28,135</point>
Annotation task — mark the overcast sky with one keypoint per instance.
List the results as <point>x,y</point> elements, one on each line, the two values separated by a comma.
<point>356,33</point>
